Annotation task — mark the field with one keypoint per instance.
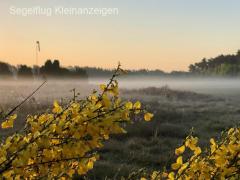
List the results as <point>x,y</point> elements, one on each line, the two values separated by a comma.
<point>147,145</point>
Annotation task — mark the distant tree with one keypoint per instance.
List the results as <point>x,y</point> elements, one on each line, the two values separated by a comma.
<point>192,68</point>
<point>5,69</point>
<point>179,73</point>
<point>53,68</point>
<point>80,72</point>
<point>47,68</point>
<point>56,64</point>
<point>238,53</point>
<point>24,70</point>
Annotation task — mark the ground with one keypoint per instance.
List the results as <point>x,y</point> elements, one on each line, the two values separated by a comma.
<point>151,145</point>
<point>147,145</point>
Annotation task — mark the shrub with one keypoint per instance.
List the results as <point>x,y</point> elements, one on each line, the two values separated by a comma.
<point>65,142</point>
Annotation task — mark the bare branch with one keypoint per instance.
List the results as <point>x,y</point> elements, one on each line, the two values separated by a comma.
<point>21,103</point>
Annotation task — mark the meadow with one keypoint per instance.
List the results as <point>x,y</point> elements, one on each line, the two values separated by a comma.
<point>177,109</point>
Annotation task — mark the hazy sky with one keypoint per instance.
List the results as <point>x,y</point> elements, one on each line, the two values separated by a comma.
<point>154,34</point>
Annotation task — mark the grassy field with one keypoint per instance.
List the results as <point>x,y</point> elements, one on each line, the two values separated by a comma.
<point>151,145</point>
<point>147,145</point>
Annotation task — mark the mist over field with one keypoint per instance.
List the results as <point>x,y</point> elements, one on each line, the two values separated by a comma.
<point>13,91</point>
<point>213,86</point>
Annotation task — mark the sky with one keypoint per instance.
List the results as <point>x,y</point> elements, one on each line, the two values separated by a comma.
<point>153,34</point>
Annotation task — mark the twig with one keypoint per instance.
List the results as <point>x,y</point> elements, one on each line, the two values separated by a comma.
<point>21,103</point>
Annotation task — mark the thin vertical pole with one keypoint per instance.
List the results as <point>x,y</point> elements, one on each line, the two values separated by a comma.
<point>36,54</point>
<point>37,70</point>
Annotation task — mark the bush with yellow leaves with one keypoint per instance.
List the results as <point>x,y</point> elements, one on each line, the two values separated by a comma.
<point>65,141</point>
<point>220,161</point>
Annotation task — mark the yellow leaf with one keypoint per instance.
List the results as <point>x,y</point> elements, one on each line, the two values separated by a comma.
<point>212,141</point>
<point>197,151</point>
<point>180,150</point>
<point>183,167</point>
<point>154,175</point>
<point>13,116</point>
<point>56,108</point>
<point>230,131</point>
<point>103,87</point>
<point>106,101</point>
<point>36,134</point>
<point>175,166</point>
<point>171,176</point>
<point>129,105</point>
<point>9,122</point>
<point>180,160</point>
<point>137,105</point>
<point>148,116</point>
<point>191,142</point>
<point>90,164</point>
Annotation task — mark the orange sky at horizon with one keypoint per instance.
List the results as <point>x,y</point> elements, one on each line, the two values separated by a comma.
<point>156,35</point>
<point>71,54</point>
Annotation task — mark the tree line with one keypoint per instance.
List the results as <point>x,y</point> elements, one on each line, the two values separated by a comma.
<point>53,69</point>
<point>224,65</point>
<point>49,69</point>
<point>100,72</point>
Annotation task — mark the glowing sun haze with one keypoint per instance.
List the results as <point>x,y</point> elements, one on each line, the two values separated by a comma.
<point>156,34</point>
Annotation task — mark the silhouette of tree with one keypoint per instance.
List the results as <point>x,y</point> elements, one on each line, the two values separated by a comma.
<point>56,64</point>
<point>24,70</point>
<point>53,69</point>
<point>5,69</point>
<point>220,65</point>
<point>47,68</point>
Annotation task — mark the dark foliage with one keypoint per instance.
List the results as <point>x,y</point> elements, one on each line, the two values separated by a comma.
<point>49,69</point>
<point>24,70</point>
<point>5,68</point>
<point>221,65</point>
